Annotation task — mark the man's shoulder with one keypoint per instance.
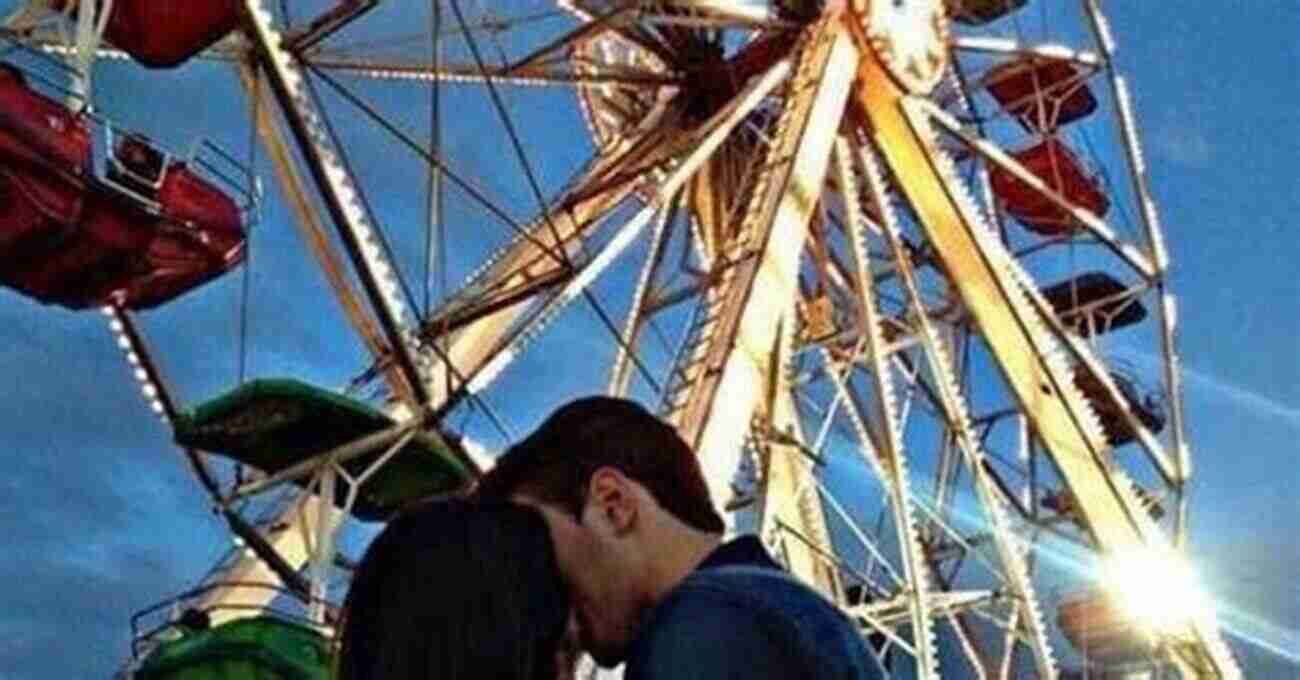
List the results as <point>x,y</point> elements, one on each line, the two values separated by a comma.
<point>704,629</point>
<point>755,587</point>
<point>737,591</point>
<point>764,611</point>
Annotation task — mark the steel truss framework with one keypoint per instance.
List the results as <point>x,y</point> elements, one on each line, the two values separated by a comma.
<point>850,295</point>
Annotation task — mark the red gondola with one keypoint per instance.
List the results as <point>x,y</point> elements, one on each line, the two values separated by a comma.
<point>143,232</point>
<point>1053,163</point>
<point>1100,630</point>
<point>165,33</point>
<point>980,12</point>
<point>1043,93</point>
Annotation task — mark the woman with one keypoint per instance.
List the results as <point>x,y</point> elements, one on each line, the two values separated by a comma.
<point>457,591</point>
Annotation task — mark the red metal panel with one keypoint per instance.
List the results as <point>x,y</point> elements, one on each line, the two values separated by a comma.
<point>165,33</point>
<point>1043,93</point>
<point>980,12</point>
<point>1056,166</point>
<point>71,241</point>
<point>1098,628</point>
<point>186,197</point>
<point>201,238</point>
<point>73,271</point>
<point>26,231</point>
<point>36,129</point>
<point>44,156</point>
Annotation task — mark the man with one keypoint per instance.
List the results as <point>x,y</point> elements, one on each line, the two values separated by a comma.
<point>639,542</point>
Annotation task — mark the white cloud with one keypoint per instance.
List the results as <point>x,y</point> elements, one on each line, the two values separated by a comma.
<point>1206,382</point>
<point>1254,401</point>
<point>1183,145</point>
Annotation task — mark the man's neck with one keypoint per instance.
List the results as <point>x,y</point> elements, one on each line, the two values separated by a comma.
<point>679,554</point>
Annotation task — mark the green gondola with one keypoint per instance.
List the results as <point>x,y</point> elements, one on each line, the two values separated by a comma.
<point>255,648</point>
<point>274,424</point>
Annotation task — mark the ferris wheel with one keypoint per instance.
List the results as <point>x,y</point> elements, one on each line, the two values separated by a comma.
<point>894,269</point>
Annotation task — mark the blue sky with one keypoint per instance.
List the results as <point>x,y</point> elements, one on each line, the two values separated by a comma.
<point>101,518</point>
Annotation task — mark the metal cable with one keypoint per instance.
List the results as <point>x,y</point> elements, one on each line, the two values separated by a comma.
<point>433,159</point>
<point>515,143</point>
<point>405,139</point>
<point>361,195</point>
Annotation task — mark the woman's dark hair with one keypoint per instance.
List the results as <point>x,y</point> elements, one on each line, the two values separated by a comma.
<point>455,591</point>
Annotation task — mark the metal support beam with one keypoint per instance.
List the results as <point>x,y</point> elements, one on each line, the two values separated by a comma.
<point>950,401</point>
<point>240,587</point>
<point>890,452</point>
<point>475,348</point>
<point>731,354</point>
<point>467,350</point>
<point>980,268</point>
<point>341,196</point>
<point>309,223</point>
<point>789,489</point>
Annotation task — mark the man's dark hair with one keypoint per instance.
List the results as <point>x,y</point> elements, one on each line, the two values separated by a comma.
<point>554,464</point>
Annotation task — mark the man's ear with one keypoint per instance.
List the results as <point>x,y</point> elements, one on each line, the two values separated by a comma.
<point>610,493</point>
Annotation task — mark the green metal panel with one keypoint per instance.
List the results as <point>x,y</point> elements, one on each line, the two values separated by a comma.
<point>257,648</point>
<point>273,424</point>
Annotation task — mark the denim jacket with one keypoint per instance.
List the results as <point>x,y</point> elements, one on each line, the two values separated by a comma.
<point>740,616</point>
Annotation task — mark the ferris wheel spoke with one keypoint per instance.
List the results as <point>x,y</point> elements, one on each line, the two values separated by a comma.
<point>962,628</point>
<point>700,144</point>
<point>710,135</point>
<point>474,322</point>
<point>915,605</point>
<point>1166,311</point>
<point>584,274</point>
<point>479,322</point>
<point>1008,47</point>
<point>714,13</point>
<point>730,354</point>
<point>239,585</point>
<point>467,327</point>
<point>637,318</point>
<point>1126,251</point>
<point>1057,420</point>
<point>634,33</point>
<point>540,75</point>
<point>893,459</point>
<point>507,122</point>
<point>342,198</point>
<point>955,413</point>
<point>789,501</point>
<point>560,48</point>
<point>310,223</point>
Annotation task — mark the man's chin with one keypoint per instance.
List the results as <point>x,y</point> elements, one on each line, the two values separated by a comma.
<point>606,654</point>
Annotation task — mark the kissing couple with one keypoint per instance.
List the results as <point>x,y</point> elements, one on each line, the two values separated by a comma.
<point>595,533</point>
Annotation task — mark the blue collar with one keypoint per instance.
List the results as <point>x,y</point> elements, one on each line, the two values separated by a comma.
<point>741,551</point>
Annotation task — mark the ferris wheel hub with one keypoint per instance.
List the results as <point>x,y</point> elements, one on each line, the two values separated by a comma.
<point>910,37</point>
